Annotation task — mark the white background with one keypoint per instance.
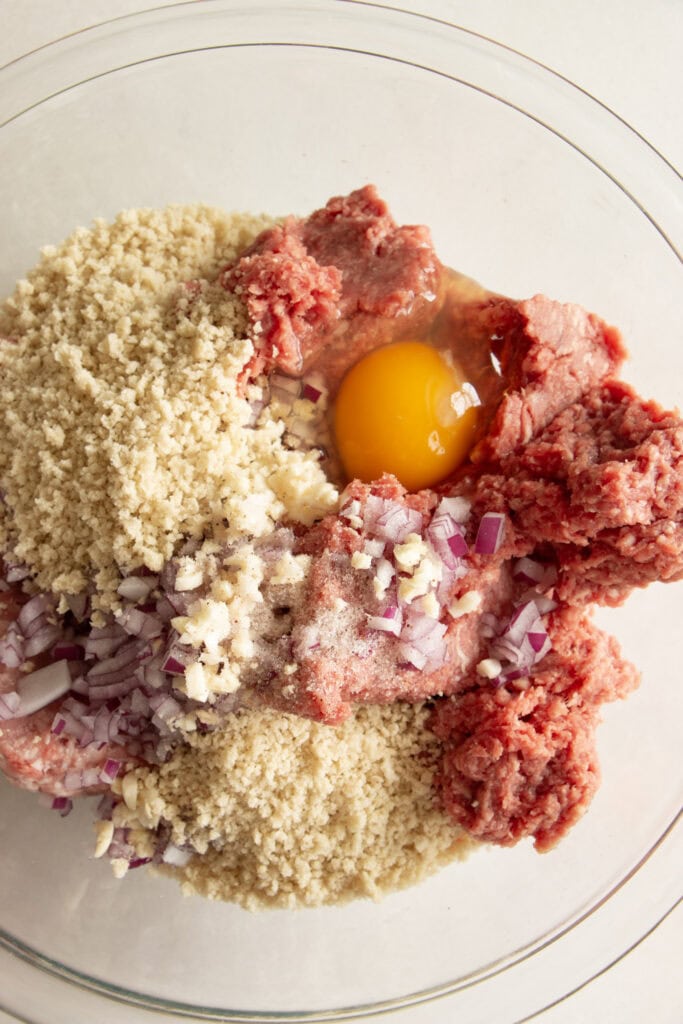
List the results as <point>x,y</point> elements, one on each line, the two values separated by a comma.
<point>627,53</point>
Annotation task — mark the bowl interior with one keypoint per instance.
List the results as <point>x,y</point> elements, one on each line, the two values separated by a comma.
<point>270,108</point>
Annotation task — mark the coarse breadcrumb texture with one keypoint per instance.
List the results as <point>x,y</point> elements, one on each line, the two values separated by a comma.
<point>121,426</point>
<point>287,812</point>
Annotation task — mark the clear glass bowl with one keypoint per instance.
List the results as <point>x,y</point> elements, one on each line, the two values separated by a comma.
<point>529,185</point>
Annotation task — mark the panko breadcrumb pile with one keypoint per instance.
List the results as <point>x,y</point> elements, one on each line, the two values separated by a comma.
<point>286,812</point>
<point>122,427</point>
<point>123,436</point>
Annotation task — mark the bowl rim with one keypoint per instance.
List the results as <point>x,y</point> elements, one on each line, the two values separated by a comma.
<point>94,33</point>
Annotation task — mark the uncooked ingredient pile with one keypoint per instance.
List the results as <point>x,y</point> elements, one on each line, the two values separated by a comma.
<point>301,532</point>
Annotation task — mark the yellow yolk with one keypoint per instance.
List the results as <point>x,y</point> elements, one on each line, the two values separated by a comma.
<point>404,409</point>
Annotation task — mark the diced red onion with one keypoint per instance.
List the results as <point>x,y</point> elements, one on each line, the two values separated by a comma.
<point>310,393</point>
<point>16,572</point>
<point>79,684</point>
<point>413,656</point>
<point>537,639</point>
<point>32,615</point>
<point>168,575</point>
<point>528,570</point>
<point>284,387</point>
<point>103,642</point>
<point>350,510</point>
<point>38,689</point>
<point>490,533</point>
<point>165,609</point>
<point>189,547</point>
<point>58,724</point>
<point>9,705</point>
<point>120,665</point>
<point>302,430</point>
<point>41,640</point>
<point>395,522</point>
<point>67,649</point>
<point>510,674</point>
<point>423,641</point>
<point>166,710</point>
<point>543,604</point>
<point>447,583</point>
<point>76,781</point>
<point>151,672</point>
<point>106,806</point>
<point>67,721</point>
<point>119,847</point>
<point>308,640</point>
<point>181,600</point>
<point>112,689</point>
<point>524,618</point>
<point>457,508</point>
<point>446,538</point>
<point>175,662</point>
<point>541,645</point>
<point>505,650</point>
<point>102,647</point>
<point>63,804</point>
<point>139,704</point>
<point>256,407</point>
<point>390,621</point>
<point>488,625</point>
<point>540,579</point>
<point>139,623</point>
<point>12,647</point>
<point>110,770</point>
<point>137,588</point>
<point>102,725</point>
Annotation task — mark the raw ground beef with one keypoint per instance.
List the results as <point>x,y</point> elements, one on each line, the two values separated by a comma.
<point>522,761</point>
<point>602,484</point>
<point>348,271</point>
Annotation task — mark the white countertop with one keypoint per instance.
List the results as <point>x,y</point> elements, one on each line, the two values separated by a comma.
<point>626,53</point>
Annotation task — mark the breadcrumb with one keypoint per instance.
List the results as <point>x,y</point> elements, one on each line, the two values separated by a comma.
<point>286,812</point>
<point>122,427</point>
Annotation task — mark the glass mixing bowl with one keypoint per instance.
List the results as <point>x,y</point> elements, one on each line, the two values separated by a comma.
<point>528,185</point>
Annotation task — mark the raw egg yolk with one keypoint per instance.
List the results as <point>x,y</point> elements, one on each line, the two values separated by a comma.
<point>404,409</point>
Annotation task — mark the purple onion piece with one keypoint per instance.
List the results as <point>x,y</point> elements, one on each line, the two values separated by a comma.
<point>490,533</point>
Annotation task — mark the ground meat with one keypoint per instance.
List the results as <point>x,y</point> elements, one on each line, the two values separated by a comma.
<point>385,268</point>
<point>348,269</point>
<point>288,294</point>
<point>557,353</point>
<point>603,484</point>
<point>522,763</point>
